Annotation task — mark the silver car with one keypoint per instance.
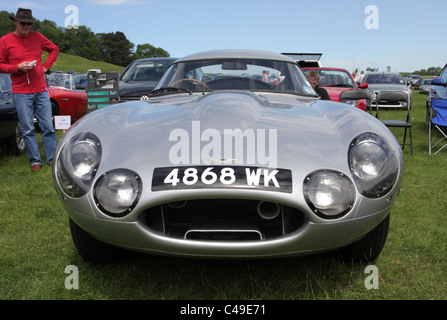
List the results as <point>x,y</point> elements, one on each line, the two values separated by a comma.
<point>387,81</point>
<point>233,155</point>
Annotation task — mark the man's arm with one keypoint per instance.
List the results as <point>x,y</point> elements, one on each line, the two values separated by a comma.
<point>53,51</point>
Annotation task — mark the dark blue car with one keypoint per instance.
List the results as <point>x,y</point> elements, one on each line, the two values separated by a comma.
<point>10,130</point>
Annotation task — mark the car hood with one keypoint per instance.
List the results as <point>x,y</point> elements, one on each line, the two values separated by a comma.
<point>136,88</point>
<point>290,131</point>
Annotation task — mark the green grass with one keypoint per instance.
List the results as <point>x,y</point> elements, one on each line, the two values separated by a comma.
<point>36,247</point>
<point>68,62</point>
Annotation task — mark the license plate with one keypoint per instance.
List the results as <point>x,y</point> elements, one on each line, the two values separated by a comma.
<point>199,177</point>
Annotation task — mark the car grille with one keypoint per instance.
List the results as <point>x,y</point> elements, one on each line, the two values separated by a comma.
<point>223,219</point>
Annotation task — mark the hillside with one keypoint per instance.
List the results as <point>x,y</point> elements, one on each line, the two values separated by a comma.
<point>67,62</point>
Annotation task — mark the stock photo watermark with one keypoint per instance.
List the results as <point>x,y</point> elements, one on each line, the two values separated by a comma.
<point>72,280</point>
<point>372,280</point>
<point>372,20</point>
<point>72,20</point>
<point>222,148</point>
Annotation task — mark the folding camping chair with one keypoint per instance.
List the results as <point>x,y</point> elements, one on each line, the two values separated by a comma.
<point>402,98</point>
<point>438,121</point>
<point>356,95</point>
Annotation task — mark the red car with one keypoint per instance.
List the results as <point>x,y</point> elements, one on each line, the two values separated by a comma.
<point>335,81</point>
<point>65,99</point>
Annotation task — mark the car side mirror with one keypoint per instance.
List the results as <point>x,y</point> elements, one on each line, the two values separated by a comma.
<point>438,82</point>
<point>364,86</point>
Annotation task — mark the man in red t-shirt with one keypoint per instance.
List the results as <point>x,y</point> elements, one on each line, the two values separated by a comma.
<point>21,56</point>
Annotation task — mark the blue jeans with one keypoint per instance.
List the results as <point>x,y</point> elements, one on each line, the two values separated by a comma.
<point>36,105</point>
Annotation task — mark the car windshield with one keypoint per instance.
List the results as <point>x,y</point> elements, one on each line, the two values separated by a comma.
<point>235,74</point>
<point>5,82</point>
<point>146,71</point>
<point>334,78</point>
<point>61,80</point>
<point>384,79</point>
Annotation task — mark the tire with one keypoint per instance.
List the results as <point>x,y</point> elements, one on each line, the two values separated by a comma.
<point>18,141</point>
<point>15,144</point>
<point>369,247</point>
<point>91,249</point>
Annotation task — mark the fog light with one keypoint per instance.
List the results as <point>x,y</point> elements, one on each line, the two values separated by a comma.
<point>330,194</point>
<point>117,192</point>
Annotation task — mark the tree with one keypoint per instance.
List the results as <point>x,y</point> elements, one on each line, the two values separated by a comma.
<point>6,25</point>
<point>116,48</point>
<point>112,47</point>
<point>149,51</point>
<point>82,42</point>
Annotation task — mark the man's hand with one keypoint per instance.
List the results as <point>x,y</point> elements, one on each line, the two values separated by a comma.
<point>24,66</point>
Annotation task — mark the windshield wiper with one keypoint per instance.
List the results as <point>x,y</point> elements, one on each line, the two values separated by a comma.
<point>165,90</point>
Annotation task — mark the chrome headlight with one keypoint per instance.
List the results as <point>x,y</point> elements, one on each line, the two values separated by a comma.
<point>330,194</point>
<point>77,164</point>
<point>117,192</point>
<point>374,165</point>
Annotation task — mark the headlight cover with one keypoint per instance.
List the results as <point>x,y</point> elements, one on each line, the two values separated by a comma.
<point>117,192</point>
<point>329,193</point>
<point>78,163</point>
<point>373,164</point>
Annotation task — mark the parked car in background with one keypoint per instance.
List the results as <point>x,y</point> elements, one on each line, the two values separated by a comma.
<point>335,81</point>
<point>10,130</point>
<point>226,165</point>
<point>425,86</point>
<point>383,81</point>
<point>66,100</point>
<point>80,81</point>
<point>414,80</point>
<point>141,76</point>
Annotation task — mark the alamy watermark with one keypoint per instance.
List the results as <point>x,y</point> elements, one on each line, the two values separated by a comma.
<point>372,280</point>
<point>72,280</point>
<point>72,20</point>
<point>372,20</point>
<point>230,146</point>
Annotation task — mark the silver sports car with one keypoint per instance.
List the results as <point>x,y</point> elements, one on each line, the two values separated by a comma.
<point>233,155</point>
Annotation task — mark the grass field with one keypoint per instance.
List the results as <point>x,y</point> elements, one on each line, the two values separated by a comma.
<point>36,248</point>
<point>68,62</point>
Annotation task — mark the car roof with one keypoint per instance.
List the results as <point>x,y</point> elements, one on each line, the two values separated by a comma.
<point>155,59</point>
<point>325,68</point>
<point>382,72</point>
<point>236,54</point>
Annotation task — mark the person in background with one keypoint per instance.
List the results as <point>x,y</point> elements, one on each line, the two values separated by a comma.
<point>21,56</point>
<point>313,77</point>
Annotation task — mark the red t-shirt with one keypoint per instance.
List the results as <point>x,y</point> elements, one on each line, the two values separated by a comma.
<point>15,50</point>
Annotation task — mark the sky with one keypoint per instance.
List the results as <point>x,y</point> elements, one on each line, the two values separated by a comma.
<point>404,35</point>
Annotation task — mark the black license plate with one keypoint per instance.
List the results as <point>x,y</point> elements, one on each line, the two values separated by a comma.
<point>199,177</point>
